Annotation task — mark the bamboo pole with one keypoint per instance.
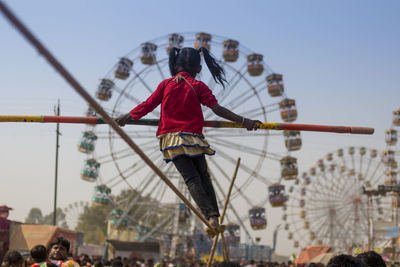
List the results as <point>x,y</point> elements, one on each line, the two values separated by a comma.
<point>213,124</point>
<point>82,92</point>
<point>215,242</point>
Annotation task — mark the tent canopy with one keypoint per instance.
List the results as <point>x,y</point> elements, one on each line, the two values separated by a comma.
<point>310,252</point>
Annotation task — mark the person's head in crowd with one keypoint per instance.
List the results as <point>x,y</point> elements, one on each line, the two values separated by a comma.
<point>371,259</point>
<point>13,259</point>
<point>227,264</point>
<point>58,249</point>
<point>116,263</point>
<point>39,253</point>
<point>345,261</point>
<point>98,264</point>
<point>150,263</point>
<point>312,264</point>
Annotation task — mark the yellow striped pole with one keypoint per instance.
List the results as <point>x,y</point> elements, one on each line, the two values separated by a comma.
<point>213,124</point>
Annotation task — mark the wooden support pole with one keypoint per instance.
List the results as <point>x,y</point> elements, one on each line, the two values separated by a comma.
<point>221,219</point>
<point>82,92</point>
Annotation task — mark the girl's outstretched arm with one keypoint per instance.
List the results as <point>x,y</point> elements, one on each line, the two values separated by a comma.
<point>229,115</point>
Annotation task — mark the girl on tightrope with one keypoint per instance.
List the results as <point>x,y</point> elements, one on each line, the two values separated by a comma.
<point>181,123</point>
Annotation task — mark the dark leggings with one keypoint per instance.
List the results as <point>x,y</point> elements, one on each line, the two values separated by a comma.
<point>196,177</point>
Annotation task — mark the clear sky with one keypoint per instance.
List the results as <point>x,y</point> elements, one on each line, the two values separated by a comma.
<point>340,61</point>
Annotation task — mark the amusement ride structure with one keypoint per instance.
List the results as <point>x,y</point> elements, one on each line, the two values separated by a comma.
<point>327,204</point>
<point>253,90</point>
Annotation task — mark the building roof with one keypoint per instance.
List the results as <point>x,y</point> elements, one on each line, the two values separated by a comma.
<point>26,236</point>
<point>134,246</point>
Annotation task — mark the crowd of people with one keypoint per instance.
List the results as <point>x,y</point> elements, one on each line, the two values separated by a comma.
<point>58,255</point>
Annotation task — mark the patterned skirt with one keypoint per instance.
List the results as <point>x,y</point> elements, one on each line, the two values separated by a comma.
<point>176,144</point>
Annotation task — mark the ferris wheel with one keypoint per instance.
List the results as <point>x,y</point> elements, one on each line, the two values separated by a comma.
<point>392,150</point>
<point>73,211</point>
<point>327,205</point>
<point>253,91</point>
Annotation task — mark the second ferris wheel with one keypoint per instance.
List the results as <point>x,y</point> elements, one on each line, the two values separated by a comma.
<point>253,90</point>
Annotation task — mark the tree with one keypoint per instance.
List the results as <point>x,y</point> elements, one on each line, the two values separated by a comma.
<point>60,218</point>
<point>93,223</point>
<point>35,216</point>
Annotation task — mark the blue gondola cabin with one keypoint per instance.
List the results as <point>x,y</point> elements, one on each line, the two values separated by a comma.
<point>90,170</point>
<point>257,218</point>
<point>87,143</point>
<point>277,197</point>
<point>232,233</point>
<point>101,196</point>
<point>115,219</point>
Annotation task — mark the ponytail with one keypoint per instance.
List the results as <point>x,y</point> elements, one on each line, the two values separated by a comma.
<point>216,70</point>
<point>172,60</point>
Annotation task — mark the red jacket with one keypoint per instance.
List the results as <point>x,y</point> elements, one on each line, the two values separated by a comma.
<point>180,105</point>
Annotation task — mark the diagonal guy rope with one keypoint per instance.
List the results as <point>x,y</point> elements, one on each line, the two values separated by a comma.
<point>80,90</point>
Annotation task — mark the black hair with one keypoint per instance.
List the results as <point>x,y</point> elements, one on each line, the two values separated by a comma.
<point>345,261</point>
<point>188,59</point>
<point>12,257</point>
<point>227,264</point>
<point>60,241</point>
<point>116,263</point>
<point>39,253</point>
<point>371,258</point>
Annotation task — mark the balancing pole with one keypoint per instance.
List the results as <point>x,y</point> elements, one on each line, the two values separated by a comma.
<point>221,219</point>
<point>81,91</point>
<point>213,124</point>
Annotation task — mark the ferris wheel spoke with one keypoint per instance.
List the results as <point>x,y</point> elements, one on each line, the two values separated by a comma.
<point>138,76</point>
<point>160,71</point>
<point>158,227</point>
<point>239,147</point>
<point>248,170</point>
<point>127,95</point>
<point>138,166</point>
<point>371,178</point>
<point>127,154</point>
<point>242,98</point>
<point>227,178</point>
<point>239,74</point>
<point>136,134</point>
